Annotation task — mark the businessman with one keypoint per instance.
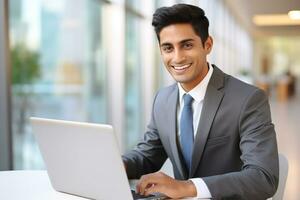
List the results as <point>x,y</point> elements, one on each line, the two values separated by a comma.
<point>216,130</point>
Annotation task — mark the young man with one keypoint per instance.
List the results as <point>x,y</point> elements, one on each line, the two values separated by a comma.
<point>216,130</point>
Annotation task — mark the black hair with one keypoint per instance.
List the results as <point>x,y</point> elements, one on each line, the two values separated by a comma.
<point>181,13</point>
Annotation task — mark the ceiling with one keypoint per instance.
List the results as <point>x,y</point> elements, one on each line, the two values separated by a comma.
<point>246,9</point>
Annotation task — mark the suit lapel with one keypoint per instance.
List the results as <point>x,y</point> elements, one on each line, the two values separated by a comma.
<point>211,103</point>
<point>171,122</point>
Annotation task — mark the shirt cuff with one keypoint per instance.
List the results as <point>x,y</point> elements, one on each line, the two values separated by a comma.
<point>201,188</point>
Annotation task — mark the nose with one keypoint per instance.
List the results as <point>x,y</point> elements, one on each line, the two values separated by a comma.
<point>179,56</point>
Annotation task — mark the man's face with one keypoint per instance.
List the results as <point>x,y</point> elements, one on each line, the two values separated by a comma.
<point>184,55</point>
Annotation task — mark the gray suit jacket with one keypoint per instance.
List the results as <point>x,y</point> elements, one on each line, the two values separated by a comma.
<point>235,149</point>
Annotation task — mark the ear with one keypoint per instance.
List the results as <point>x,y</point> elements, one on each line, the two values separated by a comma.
<point>208,44</point>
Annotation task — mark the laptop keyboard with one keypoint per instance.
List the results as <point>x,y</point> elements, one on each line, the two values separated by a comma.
<point>150,197</point>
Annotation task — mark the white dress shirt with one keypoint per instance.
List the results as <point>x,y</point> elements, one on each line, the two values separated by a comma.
<point>198,94</point>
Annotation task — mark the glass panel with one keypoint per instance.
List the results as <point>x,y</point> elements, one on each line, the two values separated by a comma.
<point>58,67</point>
<point>134,4</point>
<point>133,81</point>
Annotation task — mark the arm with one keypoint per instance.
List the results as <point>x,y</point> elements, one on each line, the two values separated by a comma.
<point>148,157</point>
<point>258,178</point>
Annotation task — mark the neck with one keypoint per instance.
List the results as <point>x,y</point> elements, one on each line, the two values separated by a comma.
<point>189,86</point>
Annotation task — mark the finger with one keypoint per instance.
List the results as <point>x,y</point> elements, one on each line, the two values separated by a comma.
<point>147,181</point>
<point>142,184</point>
<point>138,185</point>
<point>156,188</point>
<point>137,188</point>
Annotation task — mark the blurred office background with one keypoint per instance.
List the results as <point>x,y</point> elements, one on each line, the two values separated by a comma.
<point>98,61</point>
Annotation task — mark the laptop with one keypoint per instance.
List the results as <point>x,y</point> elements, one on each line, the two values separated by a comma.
<point>83,159</point>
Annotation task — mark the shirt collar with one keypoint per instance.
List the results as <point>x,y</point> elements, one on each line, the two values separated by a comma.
<point>199,91</point>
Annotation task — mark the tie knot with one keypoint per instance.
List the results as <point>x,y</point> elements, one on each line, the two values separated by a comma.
<point>188,99</point>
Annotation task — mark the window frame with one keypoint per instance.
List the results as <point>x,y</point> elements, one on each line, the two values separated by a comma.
<point>6,162</point>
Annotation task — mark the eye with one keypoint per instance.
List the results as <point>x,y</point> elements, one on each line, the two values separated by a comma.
<point>167,49</point>
<point>187,45</point>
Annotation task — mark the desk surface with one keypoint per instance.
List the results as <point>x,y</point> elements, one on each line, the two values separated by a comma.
<point>30,185</point>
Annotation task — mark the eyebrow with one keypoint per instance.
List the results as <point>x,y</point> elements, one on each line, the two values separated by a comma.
<point>181,42</point>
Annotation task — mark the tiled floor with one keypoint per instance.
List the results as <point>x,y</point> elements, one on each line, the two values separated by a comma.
<point>286,117</point>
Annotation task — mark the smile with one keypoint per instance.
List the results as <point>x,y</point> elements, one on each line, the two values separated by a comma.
<point>181,67</point>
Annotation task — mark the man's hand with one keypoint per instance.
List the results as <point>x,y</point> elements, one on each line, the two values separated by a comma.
<point>160,182</point>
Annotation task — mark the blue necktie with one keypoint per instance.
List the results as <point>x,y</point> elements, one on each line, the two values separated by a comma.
<point>187,130</point>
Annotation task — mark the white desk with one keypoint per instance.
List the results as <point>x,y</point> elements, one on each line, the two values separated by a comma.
<point>30,185</point>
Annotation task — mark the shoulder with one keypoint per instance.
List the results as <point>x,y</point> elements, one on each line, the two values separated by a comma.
<point>167,91</point>
<point>234,89</point>
<point>237,88</point>
<point>236,85</point>
<point>166,96</point>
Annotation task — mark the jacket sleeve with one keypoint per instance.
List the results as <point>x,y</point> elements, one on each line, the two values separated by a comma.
<point>258,178</point>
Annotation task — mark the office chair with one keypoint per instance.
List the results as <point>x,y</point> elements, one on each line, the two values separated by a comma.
<point>283,173</point>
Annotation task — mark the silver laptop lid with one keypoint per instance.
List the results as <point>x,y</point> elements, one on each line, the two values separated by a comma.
<point>82,158</point>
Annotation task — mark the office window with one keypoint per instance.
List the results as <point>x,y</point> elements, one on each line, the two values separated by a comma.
<point>133,97</point>
<point>58,68</point>
<point>133,5</point>
<point>233,45</point>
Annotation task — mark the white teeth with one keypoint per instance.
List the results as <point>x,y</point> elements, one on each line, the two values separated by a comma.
<point>181,67</point>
